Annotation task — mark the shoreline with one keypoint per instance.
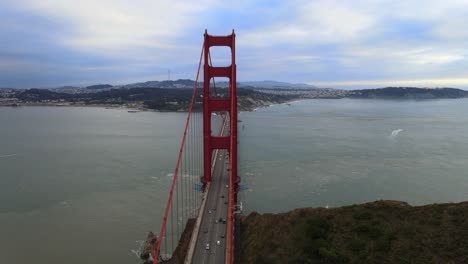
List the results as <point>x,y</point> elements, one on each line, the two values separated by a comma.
<point>110,107</point>
<point>130,108</point>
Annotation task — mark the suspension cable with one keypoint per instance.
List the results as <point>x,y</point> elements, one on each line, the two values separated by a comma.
<point>174,180</point>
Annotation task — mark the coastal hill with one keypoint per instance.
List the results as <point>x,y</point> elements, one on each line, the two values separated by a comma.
<point>175,95</point>
<point>99,86</point>
<point>161,99</point>
<point>376,232</point>
<point>408,93</point>
<point>276,84</point>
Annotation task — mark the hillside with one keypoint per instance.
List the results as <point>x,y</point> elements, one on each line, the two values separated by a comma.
<point>408,93</point>
<point>161,99</point>
<point>99,86</point>
<point>377,232</point>
<point>186,83</point>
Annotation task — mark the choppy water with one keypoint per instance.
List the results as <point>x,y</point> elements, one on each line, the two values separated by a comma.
<point>337,152</point>
<point>82,185</point>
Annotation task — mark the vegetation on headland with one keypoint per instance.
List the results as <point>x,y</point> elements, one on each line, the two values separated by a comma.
<point>161,99</point>
<point>178,99</point>
<point>408,93</point>
<point>376,232</point>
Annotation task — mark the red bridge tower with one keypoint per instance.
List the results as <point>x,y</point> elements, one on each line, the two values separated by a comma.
<point>228,104</point>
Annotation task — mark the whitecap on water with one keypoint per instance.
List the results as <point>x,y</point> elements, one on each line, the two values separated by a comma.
<point>396,132</point>
<point>64,204</point>
<point>136,252</point>
<point>8,155</point>
<point>140,244</point>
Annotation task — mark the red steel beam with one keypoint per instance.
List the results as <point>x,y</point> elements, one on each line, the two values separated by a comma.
<point>207,151</point>
<point>232,157</point>
<point>230,142</point>
<point>220,71</point>
<point>220,142</point>
<point>220,104</point>
<point>213,104</point>
<point>220,41</point>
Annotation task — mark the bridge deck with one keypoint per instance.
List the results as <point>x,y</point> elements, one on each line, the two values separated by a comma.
<point>212,229</point>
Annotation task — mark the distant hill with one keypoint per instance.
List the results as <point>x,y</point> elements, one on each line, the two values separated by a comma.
<point>276,84</point>
<point>181,83</point>
<point>99,86</point>
<point>161,99</point>
<point>186,83</point>
<point>66,87</point>
<point>408,93</point>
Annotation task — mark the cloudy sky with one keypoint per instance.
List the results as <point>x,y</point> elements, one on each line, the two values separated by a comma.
<point>343,44</point>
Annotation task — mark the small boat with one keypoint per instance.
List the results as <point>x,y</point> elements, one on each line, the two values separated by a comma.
<point>133,111</point>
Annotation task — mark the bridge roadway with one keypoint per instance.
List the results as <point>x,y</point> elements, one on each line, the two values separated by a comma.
<point>211,229</point>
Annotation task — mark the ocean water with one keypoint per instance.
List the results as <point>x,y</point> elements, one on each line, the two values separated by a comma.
<point>338,152</point>
<point>83,185</point>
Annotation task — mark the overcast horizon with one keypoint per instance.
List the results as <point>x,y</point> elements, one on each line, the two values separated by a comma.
<point>346,87</point>
<point>337,44</point>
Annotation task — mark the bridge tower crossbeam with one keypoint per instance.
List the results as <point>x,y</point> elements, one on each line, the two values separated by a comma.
<point>229,142</point>
<point>211,105</point>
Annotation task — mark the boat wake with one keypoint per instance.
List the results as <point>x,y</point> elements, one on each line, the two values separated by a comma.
<point>8,155</point>
<point>138,250</point>
<point>396,132</point>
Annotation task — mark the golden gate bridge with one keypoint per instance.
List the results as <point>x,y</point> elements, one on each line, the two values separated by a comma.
<point>199,218</point>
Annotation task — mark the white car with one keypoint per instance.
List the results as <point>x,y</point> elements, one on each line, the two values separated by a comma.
<point>207,246</point>
<point>218,242</point>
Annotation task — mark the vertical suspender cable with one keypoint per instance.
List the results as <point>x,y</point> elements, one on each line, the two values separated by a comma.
<point>174,180</point>
<point>191,169</point>
<point>172,228</point>
<point>187,176</point>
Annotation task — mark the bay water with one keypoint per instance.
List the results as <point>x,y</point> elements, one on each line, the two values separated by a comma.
<point>83,185</point>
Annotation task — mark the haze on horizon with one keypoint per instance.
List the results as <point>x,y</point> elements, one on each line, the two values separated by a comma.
<point>342,44</point>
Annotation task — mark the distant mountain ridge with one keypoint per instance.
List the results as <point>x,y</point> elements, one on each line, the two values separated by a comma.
<point>187,83</point>
<point>276,84</point>
<point>408,93</point>
<point>180,83</point>
<point>99,86</point>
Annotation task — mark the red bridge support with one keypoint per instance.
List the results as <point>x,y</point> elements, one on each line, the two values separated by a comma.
<point>229,142</point>
<point>210,105</point>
